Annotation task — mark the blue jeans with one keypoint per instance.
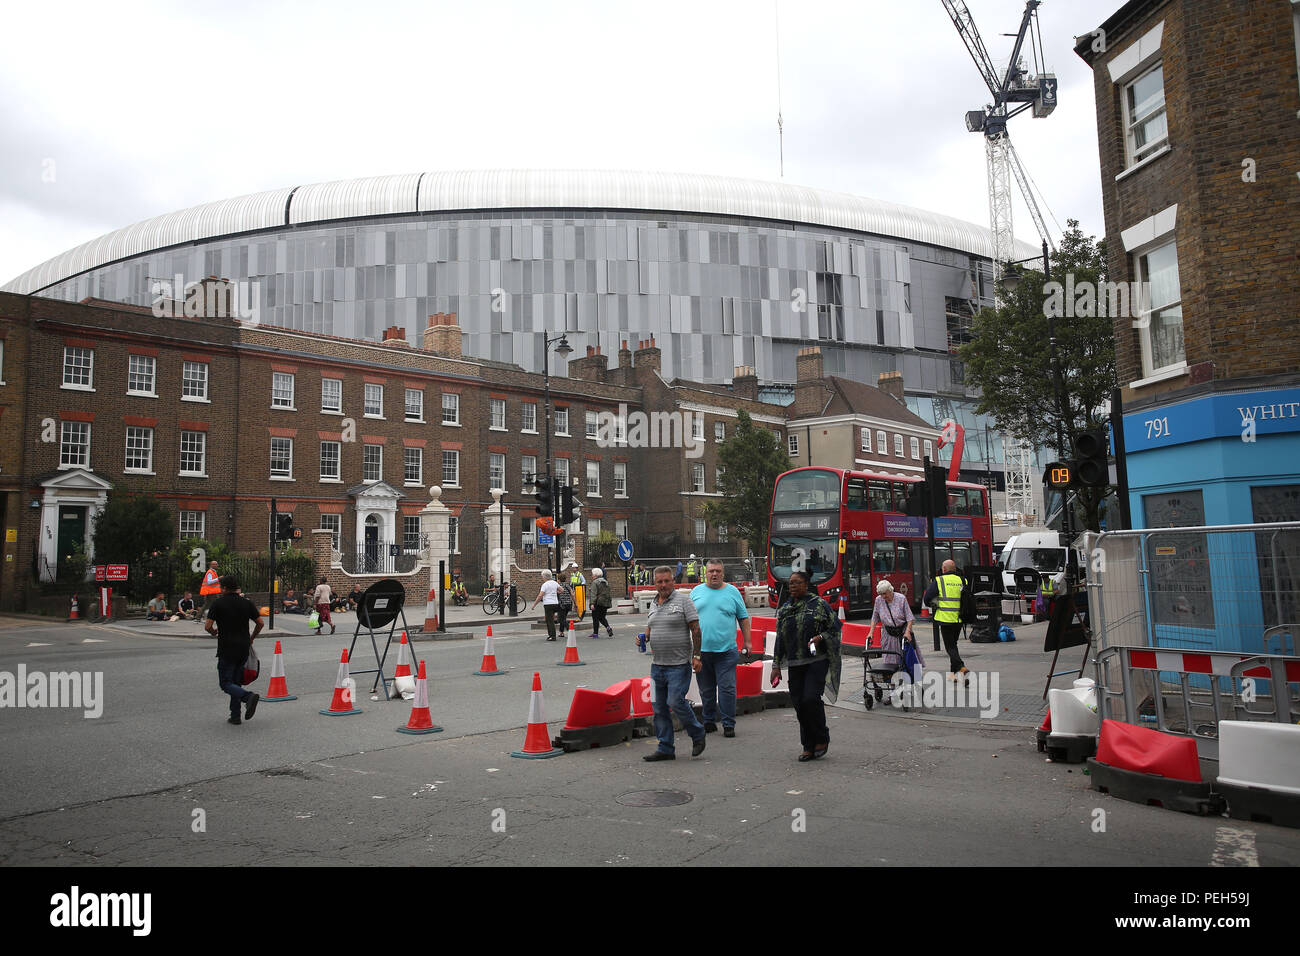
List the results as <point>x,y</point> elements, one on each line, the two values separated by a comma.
<point>672,681</point>
<point>718,685</point>
<point>229,674</point>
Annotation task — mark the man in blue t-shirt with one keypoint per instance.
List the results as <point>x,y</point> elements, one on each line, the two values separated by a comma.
<point>721,609</point>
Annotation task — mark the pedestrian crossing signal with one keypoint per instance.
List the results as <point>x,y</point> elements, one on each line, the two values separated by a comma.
<point>1059,475</point>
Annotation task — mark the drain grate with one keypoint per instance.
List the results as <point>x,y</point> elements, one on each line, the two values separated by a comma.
<point>654,798</point>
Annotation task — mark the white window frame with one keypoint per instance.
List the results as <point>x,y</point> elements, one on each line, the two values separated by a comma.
<point>915,445</point>
<point>898,445</point>
<point>592,423</point>
<point>64,445</point>
<point>1143,323</point>
<point>497,424</point>
<point>450,465</point>
<point>562,415</point>
<point>141,432</point>
<point>453,533</point>
<point>697,477</point>
<point>929,449</point>
<point>701,530</point>
<point>365,463</point>
<point>189,382</point>
<point>562,471</point>
<point>1148,151</point>
<point>185,534</point>
<point>419,465</point>
<point>528,466</point>
<point>620,479</point>
<point>284,474</point>
<point>496,470</point>
<point>143,367</point>
<point>882,443</point>
<point>719,432</point>
<point>372,399</point>
<point>334,525</point>
<point>416,406</point>
<point>620,528</point>
<point>866,440</point>
<point>524,416</point>
<point>202,471</point>
<point>593,479</point>
<point>278,389</point>
<point>792,443</point>
<point>407,534</point>
<point>451,409</point>
<point>76,352</point>
<point>593,527</point>
<point>697,428</point>
<point>336,409</point>
<point>338,461</point>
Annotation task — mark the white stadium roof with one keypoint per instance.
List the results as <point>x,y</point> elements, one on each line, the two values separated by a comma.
<point>451,191</point>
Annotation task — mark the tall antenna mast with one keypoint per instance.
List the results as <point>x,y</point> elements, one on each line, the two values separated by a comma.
<point>780,123</point>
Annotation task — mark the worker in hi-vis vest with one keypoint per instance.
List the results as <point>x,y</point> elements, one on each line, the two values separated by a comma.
<point>578,585</point>
<point>946,590</point>
<point>692,572</point>
<point>211,587</point>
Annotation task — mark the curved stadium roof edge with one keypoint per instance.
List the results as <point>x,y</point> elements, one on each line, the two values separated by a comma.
<point>450,191</point>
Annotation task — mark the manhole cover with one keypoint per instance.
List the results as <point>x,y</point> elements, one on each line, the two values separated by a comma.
<point>655,798</point>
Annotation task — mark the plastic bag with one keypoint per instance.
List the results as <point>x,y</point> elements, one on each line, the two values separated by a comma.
<point>314,619</point>
<point>252,666</point>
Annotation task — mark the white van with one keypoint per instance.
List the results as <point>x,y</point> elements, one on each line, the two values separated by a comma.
<point>1047,552</point>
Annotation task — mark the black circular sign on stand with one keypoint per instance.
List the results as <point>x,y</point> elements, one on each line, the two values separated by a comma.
<point>381,603</point>
<point>1026,580</point>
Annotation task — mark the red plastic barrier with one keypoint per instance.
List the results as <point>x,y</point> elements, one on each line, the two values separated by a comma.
<point>1142,750</point>
<point>599,708</point>
<point>749,679</point>
<point>642,701</point>
<point>860,635</point>
<point>758,630</point>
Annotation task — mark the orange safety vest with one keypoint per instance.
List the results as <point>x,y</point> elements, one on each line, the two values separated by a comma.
<point>211,583</point>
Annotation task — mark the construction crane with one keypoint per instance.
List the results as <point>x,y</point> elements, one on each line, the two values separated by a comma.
<point>1013,91</point>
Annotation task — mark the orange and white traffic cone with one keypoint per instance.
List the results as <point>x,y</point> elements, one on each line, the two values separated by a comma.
<point>74,612</point>
<point>537,744</point>
<point>421,721</point>
<point>571,651</point>
<point>431,611</point>
<point>403,680</point>
<point>277,689</point>
<point>489,666</point>
<point>345,692</point>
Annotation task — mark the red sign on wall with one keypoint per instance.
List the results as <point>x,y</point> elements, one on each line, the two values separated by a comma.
<point>99,572</point>
<point>115,572</point>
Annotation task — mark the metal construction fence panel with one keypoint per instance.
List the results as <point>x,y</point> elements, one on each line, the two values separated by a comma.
<point>1233,588</point>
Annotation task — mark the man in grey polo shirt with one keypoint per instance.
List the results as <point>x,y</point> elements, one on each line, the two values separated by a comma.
<point>673,630</point>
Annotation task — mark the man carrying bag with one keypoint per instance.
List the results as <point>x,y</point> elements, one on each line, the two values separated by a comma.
<point>228,618</point>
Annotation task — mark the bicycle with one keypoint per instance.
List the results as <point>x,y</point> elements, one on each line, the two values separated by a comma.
<point>492,602</point>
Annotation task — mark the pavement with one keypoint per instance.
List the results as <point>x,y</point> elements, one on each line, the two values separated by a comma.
<point>161,779</point>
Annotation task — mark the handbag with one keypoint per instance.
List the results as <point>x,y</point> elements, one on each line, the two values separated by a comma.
<point>252,666</point>
<point>894,629</point>
<point>966,612</point>
<point>314,619</point>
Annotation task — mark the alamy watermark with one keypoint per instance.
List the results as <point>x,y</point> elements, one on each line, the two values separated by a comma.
<point>1088,299</point>
<point>206,298</point>
<point>36,689</point>
<point>933,690</point>
<point>651,430</point>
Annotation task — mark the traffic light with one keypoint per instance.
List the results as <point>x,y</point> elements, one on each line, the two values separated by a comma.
<point>283,527</point>
<point>1059,475</point>
<point>1092,458</point>
<point>568,507</point>
<point>914,504</point>
<point>938,479</point>
<point>545,499</point>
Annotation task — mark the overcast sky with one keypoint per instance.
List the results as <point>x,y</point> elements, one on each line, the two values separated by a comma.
<point>113,113</point>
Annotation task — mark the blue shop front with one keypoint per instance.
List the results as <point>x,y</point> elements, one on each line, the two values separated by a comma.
<point>1225,459</point>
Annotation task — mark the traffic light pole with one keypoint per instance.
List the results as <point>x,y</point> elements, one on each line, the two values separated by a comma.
<point>275,531</point>
<point>1062,401</point>
<point>929,541</point>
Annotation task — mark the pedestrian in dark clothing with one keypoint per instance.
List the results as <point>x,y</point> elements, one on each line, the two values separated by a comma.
<point>945,590</point>
<point>808,637</point>
<point>601,602</point>
<point>228,618</point>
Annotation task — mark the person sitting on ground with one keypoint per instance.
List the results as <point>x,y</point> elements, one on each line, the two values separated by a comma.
<point>157,610</point>
<point>290,604</point>
<point>186,608</point>
<point>354,598</point>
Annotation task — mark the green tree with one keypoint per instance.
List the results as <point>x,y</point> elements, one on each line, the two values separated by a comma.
<point>1009,359</point>
<point>129,528</point>
<point>602,548</point>
<point>751,459</point>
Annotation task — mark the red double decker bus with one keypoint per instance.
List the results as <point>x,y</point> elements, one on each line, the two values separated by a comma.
<point>849,530</point>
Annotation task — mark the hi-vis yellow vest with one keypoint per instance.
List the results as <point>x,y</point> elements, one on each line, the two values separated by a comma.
<point>949,611</point>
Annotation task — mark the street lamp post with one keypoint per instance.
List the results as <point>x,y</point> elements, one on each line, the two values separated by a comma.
<point>497,494</point>
<point>1010,280</point>
<point>562,348</point>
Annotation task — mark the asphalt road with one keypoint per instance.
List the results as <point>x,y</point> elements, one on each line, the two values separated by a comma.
<point>294,787</point>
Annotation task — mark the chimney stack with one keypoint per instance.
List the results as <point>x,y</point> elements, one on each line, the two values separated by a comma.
<point>442,337</point>
<point>744,383</point>
<point>648,355</point>
<point>891,383</point>
<point>808,364</point>
<point>395,337</point>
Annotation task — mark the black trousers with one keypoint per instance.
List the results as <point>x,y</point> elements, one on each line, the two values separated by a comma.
<point>556,619</point>
<point>806,685</point>
<point>598,618</point>
<point>950,634</point>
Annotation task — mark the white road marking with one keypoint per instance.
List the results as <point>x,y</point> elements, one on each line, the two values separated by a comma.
<point>1234,846</point>
<point>39,644</point>
<point>93,640</point>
